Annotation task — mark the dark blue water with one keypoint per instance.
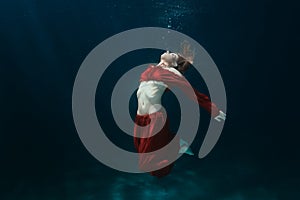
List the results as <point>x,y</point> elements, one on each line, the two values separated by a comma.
<point>43,43</point>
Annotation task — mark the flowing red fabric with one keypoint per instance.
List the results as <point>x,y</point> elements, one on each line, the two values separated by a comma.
<point>175,81</point>
<point>150,142</point>
<point>154,139</point>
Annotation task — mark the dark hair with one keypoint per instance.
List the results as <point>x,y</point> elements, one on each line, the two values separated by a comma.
<point>182,64</point>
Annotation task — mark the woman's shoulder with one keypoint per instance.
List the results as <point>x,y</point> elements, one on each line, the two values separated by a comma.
<point>172,69</point>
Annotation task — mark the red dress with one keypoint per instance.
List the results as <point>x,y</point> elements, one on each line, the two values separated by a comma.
<point>150,142</point>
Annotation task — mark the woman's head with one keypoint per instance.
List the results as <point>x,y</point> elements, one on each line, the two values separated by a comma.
<point>180,61</point>
<point>169,59</point>
<point>175,60</point>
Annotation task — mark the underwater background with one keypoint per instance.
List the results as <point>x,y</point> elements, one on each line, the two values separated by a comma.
<point>255,45</point>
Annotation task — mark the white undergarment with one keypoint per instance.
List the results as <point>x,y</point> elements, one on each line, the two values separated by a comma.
<point>149,94</point>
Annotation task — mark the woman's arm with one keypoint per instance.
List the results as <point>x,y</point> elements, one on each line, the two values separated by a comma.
<point>205,102</point>
<point>175,81</point>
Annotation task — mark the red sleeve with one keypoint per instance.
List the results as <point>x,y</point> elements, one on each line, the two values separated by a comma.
<point>206,103</point>
<point>174,80</point>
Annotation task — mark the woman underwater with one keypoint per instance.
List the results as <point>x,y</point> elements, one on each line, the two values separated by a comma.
<point>149,137</point>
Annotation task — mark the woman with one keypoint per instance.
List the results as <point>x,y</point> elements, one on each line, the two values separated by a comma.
<point>151,131</point>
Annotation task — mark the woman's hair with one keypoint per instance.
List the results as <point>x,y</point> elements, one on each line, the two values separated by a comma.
<point>185,57</point>
<point>182,64</point>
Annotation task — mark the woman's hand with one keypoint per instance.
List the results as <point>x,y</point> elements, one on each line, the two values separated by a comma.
<point>221,116</point>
